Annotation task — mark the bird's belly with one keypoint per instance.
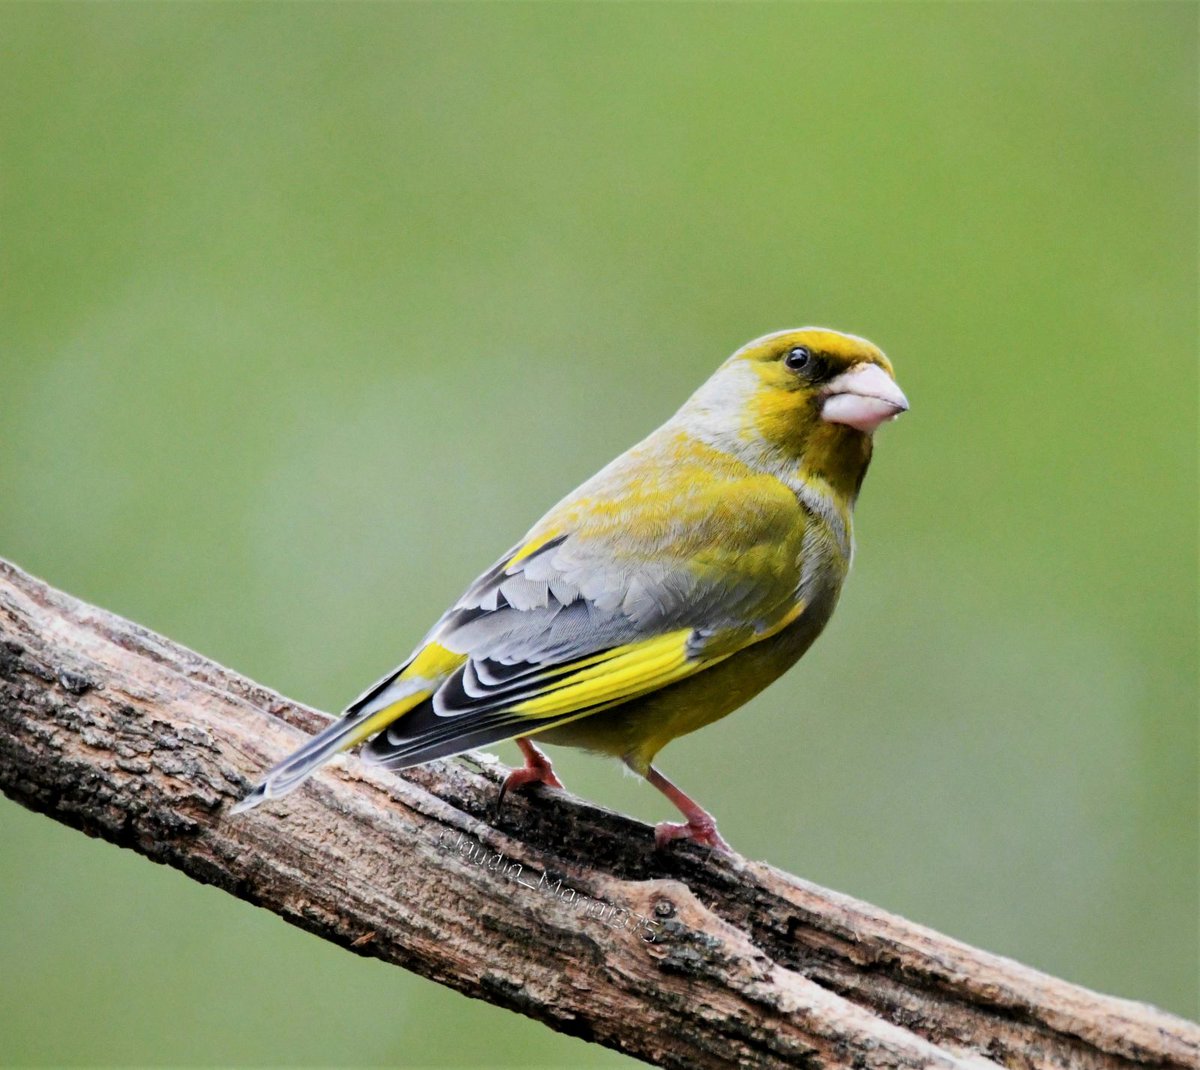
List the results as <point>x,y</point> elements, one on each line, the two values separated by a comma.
<point>637,730</point>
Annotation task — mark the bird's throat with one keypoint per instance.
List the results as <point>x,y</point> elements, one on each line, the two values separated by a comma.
<point>837,456</point>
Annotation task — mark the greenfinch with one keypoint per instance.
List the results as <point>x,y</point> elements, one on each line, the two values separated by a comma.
<point>659,596</point>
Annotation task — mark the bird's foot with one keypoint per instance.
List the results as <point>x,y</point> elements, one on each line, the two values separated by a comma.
<point>536,770</point>
<point>701,829</point>
<point>541,773</point>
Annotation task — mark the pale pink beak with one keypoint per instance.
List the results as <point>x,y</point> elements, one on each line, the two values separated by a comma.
<point>863,397</point>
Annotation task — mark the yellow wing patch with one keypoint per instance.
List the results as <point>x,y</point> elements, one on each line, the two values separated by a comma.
<point>531,547</point>
<point>619,674</point>
<point>634,669</point>
<point>432,664</point>
<point>433,661</point>
<point>379,721</point>
<point>590,684</point>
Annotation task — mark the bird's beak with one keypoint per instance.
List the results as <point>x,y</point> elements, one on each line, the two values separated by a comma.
<point>864,397</point>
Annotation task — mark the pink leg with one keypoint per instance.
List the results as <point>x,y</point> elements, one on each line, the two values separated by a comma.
<point>701,826</point>
<point>536,770</point>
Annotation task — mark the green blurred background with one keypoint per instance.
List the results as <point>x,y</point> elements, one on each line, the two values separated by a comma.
<point>309,311</point>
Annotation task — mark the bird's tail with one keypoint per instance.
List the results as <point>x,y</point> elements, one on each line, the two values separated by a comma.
<point>373,712</point>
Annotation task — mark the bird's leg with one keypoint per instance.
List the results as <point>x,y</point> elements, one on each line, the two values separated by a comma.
<point>701,826</point>
<point>536,770</point>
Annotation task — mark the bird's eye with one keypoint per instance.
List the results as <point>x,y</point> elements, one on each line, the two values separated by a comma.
<point>798,358</point>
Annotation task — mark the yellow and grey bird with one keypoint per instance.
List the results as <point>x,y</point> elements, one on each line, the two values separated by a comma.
<point>659,596</point>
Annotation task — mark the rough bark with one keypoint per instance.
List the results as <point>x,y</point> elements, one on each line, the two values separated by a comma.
<point>554,908</point>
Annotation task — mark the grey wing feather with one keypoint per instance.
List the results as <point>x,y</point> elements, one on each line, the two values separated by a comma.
<point>523,625</point>
<point>562,603</point>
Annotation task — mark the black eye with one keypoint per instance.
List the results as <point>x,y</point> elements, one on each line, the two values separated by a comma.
<point>798,358</point>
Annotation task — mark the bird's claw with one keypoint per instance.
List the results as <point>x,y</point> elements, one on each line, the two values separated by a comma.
<point>701,830</point>
<point>536,771</point>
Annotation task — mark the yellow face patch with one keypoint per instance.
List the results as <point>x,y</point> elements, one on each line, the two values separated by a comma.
<point>785,408</point>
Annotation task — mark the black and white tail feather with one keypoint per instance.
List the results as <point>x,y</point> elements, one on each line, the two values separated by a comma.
<point>339,736</point>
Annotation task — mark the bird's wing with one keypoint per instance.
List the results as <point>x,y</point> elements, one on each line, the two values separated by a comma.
<point>587,613</point>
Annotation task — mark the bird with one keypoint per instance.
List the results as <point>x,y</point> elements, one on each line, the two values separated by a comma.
<point>659,596</point>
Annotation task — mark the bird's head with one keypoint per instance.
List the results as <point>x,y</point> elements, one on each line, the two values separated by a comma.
<point>806,377</point>
<point>809,396</point>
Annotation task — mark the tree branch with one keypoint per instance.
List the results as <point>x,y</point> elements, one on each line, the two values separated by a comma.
<point>556,908</point>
